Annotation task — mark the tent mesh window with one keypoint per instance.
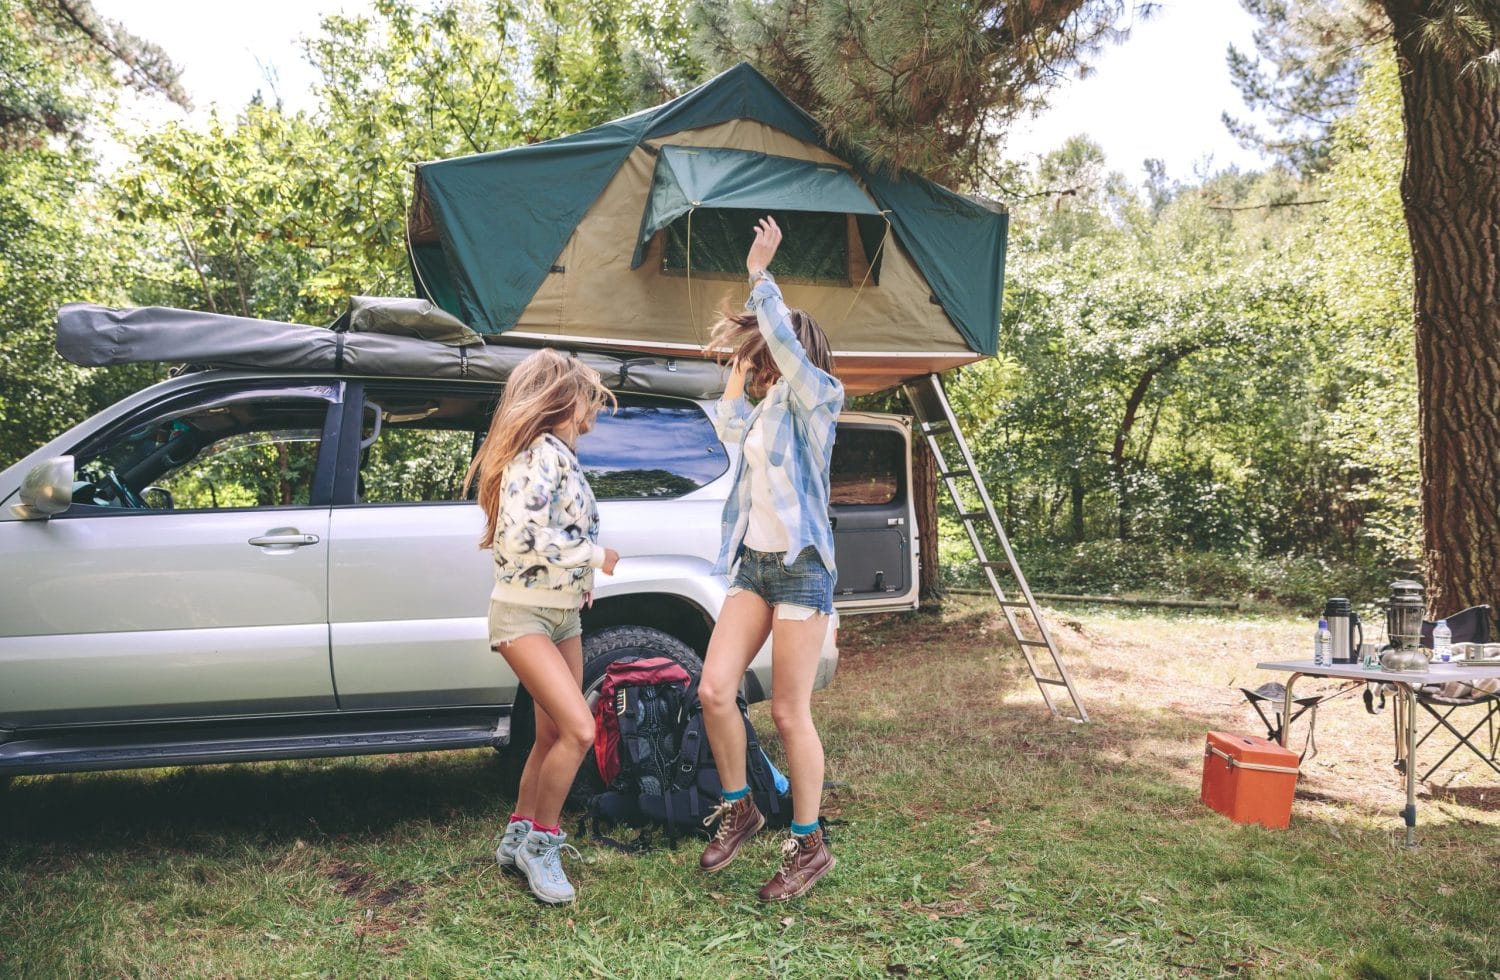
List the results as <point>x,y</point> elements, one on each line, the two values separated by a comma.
<point>816,247</point>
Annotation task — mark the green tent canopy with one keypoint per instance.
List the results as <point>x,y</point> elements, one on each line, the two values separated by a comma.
<point>603,238</point>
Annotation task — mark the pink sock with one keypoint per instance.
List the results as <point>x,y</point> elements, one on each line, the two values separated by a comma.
<point>545,829</point>
<point>516,816</point>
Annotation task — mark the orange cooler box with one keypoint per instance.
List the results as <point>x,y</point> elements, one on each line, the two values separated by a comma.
<point>1248,779</point>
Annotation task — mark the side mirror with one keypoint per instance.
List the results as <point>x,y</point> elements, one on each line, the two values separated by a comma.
<point>157,498</point>
<point>46,490</point>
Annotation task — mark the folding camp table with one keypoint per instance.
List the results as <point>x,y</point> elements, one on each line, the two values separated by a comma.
<point>1407,683</point>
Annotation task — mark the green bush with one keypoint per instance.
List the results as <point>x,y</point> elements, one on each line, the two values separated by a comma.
<point>1108,567</point>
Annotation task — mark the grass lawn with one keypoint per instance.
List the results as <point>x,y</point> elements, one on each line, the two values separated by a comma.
<point>978,836</point>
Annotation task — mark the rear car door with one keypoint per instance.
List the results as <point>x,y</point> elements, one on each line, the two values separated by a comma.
<point>190,576</point>
<point>409,581</point>
<point>870,505</point>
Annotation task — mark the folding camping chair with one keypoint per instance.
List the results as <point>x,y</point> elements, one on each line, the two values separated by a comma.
<point>1272,697</point>
<point>1471,625</point>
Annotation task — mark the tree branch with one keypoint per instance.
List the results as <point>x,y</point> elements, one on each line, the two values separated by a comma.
<point>1266,206</point>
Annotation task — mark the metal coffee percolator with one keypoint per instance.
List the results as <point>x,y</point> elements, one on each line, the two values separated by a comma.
<point>1403,628</point>
<point>1403,615</point>
<point>1343,624</point>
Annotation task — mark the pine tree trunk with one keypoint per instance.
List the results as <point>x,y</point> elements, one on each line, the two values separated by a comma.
<point>1450,190</point>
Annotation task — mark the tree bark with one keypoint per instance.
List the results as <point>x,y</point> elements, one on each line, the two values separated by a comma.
<point>1450,191</point>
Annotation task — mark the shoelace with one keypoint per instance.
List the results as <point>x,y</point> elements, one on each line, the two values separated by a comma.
<point>717,813</point>
<point>552,860</point>
<point>788,857</point>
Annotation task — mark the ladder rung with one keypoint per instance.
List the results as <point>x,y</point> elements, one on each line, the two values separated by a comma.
<point>994,564</point>
<point>1048,680</point>
<point>950,474</point>
<point>939,426</point>
<point>1031,643</point>
<point>1016,603</point>
<point>970,515</point>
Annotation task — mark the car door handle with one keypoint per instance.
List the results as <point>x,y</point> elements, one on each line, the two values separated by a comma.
<point>283,537</point>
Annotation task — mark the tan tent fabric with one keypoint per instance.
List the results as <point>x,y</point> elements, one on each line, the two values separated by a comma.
<point>891,331</point>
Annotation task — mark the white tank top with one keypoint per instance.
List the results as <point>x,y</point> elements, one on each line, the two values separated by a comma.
<point>765,531</point>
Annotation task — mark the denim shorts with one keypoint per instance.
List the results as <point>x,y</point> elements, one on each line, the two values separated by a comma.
<point>512,620</point>
<point>806,587</point>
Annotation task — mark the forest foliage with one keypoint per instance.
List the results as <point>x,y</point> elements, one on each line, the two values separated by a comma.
<point>1204,384</point>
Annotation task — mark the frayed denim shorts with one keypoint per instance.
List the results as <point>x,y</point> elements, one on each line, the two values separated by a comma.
<point>512,620</point>
<point>796,592</point>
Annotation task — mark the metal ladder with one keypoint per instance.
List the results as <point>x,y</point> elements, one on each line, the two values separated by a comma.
<point>935,421</point>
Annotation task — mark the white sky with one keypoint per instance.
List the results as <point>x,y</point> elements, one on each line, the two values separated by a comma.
<point>1159,94</point>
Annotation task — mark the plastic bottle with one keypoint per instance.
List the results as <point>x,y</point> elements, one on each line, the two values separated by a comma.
<point>1442,643</point>
<point>1323,645</point>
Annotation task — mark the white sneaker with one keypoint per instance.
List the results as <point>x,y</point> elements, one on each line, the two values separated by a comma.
<point>540,857</point>
<point>515,833</point>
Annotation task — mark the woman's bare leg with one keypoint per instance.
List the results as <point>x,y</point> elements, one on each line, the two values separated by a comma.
<point>795,646</point>
<point>553,676</point>
<point>743,626</point>
<point>546,737</point>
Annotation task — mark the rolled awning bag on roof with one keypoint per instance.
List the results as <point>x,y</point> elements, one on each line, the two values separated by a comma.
<point>709,198</point>
<point>99,336</point>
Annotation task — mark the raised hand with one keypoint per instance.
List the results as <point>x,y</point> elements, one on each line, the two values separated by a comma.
<point>763,249</point>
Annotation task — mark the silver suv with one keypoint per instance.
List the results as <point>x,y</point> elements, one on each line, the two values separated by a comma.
<point>238,565</point>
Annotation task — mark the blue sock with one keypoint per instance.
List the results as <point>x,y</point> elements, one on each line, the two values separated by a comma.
<point>735,795</point>
<point>803,829</point>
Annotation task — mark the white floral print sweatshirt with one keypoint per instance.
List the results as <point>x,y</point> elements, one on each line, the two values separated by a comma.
<point>546,540</point>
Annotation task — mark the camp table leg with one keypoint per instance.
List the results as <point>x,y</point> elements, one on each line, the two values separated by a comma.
<point>1409,694</point>
<point>1286,710</point>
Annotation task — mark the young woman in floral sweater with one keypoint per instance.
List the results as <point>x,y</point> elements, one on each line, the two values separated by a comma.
<point>542,525</point>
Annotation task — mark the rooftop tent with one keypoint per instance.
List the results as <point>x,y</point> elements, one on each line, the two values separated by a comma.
<point>614,237</point>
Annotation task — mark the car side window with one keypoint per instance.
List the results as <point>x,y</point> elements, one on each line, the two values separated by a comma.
<point>651,448</point>
<point>867,466</point>
<point>230,450</point>
<point>419,451</point>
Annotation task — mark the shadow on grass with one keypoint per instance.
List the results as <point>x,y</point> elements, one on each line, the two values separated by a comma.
<point>210,807</point>
<point>1486,798</point>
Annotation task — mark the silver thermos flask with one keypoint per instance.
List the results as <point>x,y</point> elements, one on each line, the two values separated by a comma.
<point>1344,624</point>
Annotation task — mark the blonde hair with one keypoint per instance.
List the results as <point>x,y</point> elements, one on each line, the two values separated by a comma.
<point>737,337</point>
<point>543,394</point>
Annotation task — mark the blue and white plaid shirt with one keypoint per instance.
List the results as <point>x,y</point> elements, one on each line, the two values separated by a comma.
<point>799,415</point>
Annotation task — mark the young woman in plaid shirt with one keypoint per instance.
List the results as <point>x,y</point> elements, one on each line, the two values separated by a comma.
<point>779,544</point>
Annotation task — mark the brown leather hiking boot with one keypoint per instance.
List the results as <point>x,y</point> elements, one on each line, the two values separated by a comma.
<point>804,860</point>
<point>738,822</point>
